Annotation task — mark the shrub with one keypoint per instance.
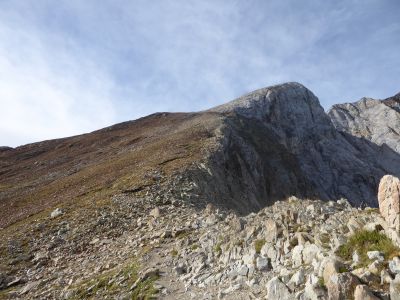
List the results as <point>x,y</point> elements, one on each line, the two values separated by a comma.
<point>363,241</point>
<point>258,244</point>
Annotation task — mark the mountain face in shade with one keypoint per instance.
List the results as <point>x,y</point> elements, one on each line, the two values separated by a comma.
<point>262,147</point>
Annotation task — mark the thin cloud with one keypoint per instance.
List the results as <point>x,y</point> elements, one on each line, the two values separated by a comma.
<point>82,65</point>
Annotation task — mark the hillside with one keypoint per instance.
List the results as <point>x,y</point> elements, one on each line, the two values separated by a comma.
<point>176,202</point>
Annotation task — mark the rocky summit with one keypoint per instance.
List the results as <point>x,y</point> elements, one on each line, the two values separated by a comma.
<point>264,197</point>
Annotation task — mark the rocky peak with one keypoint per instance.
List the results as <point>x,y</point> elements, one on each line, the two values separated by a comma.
<point>290,107</point>
<point>374,120</point>
<point>393,102</point>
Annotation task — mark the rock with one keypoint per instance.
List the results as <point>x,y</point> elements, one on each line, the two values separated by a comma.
<point>276,289</point>
<point>250,257</point>
<point>331,267</point>
<point>313,290</point>
<point>55,213</point>
<point>209,209</point>
<point>30,286</point>
<point>375,255</point>
<point>242,270</point>
<point>298,278</point>
<point>356,258</point>
<point>375,267</point>
<point>362,292</point>
<point>272,231</point>
<point>151,272</point>
<point>237,224</point>
<point>395,288</point>
<point>4,280</point>
<point>374,120</point>
<point>179,270</point>
<point>297,255</point>
<point>389,201</point>
<point>385,277</point>
<point>262,264</point>
<point>341,286</point>
<point>155,212</point>
<point>394,265</point>
<point>310,252</point>
<point>376,226</point>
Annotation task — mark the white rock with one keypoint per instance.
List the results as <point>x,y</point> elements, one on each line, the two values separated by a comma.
<point>298,278</point>
<point>394,265</point>
<point>55,213</point>
<point>362,292</point>
<point>297,256</point>
<point>242,270</point>
<point>310,252</point>
<point>276,289</point>
<point>262,263</point>
<point>375,255</point>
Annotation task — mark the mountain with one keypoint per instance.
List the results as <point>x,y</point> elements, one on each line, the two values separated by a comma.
<point>190,195</point>
<point>265,146</point>
<point>375,120</point>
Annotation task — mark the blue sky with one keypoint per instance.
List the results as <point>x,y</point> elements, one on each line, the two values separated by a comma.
<point>69,67</point>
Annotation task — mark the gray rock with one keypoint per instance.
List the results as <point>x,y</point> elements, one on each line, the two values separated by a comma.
<point>341,286</point>
<point>395,288</point>
<point>55,213</point>
<point>278,290</point>
<point>362,292</point>
<point>394,265</point>
<point>375,255</point>
<point>370,119</point>
<point>262,264</point>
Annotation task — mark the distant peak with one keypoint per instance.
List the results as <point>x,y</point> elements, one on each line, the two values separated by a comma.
<point>256,104</point>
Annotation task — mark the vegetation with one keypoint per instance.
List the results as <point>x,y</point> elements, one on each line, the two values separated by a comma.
<point>364,241</point>
<point>218,248</point>
<point>111,283</point>
<point>258,244</point>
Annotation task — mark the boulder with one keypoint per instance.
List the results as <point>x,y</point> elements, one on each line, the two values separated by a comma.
<point>362,292</point>
<point>55,213</point>
<point>278,290</point>
<point>272,231</point>
<point>389,201</point>
<point>155,212</point>
<point>395,288</point>
<point>341,286</point>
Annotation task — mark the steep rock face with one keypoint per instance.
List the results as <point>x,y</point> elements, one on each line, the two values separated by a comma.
<point>278,142</point>
<point>374,120</point>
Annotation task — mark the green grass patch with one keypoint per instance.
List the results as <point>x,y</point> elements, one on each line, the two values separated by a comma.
<point>363,241</point>
<point>258,244</point>
<point>218,249</point>
<point>114,282</point>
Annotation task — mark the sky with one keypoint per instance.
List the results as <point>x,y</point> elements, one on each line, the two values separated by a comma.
<point>70,66</point>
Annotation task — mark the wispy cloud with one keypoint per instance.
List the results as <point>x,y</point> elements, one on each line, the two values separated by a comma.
<point>68,67</point>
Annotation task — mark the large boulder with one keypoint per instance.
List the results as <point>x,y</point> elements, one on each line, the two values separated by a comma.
<point>341,286</point>
<point>389,201</point>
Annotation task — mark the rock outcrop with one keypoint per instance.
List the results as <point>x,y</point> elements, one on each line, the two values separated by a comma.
<point>389,201</point>
<point>375,120</point>
<point>281,137</point>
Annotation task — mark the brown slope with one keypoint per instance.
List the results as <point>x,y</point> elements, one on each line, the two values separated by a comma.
<point>38,176</point>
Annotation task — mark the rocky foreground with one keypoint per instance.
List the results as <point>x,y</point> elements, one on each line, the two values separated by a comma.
<point>143,248</point>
